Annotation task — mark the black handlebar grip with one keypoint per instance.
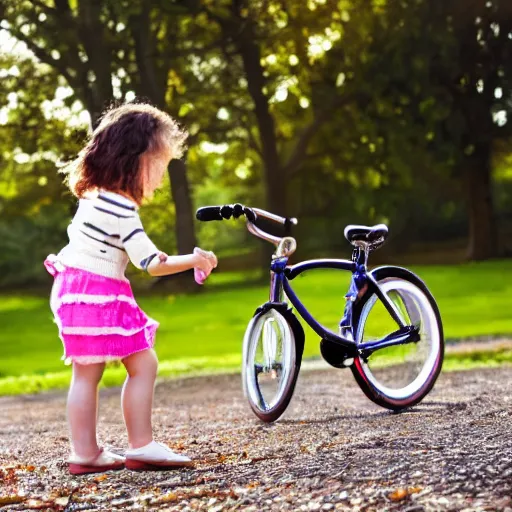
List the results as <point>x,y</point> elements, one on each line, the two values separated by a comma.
<point>207,213</point>
<point>226,211</point>
<point>249,214</point>
<point>238,210</point>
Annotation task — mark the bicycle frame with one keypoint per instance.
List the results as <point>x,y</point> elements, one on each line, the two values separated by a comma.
<point>282,274</point>
<point>275,321</point>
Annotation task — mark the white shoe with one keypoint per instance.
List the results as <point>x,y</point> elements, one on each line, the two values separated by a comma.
<point>155,456</point>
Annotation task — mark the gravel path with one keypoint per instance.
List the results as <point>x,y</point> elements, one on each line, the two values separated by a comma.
<point>333,450</point>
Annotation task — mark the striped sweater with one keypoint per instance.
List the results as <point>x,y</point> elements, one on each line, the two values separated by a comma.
<point>105,234</point>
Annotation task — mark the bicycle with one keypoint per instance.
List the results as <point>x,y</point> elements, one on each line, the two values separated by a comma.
<point>274,339</point>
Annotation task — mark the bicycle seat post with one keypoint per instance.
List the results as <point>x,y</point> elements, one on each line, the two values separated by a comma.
<point>360,255</point>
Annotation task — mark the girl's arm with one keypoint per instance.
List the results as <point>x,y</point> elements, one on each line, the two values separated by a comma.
<point>164,265</point>
<point>144,254</point>
<point>172,264</point>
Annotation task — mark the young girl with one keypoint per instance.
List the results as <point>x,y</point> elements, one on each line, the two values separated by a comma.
<point>97,316</point>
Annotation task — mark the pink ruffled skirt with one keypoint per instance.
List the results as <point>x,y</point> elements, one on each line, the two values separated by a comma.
<point>97,316</point>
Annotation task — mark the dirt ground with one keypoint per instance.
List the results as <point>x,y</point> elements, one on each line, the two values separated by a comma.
<point>333,450</point>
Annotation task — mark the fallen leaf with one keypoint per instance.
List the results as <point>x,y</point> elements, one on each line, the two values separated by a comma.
<point>35,504</point>
<point>10,500</point>
<point>414,490</point>
<point>62,501</point>
<point>258,459</point>
<point>398,495</point>
<point>8,475</point>
<point>100,478</point>
<point>170,497</point>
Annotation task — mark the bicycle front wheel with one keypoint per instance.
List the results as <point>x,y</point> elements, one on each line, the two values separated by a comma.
<point>400,376</point>
<point>271,363</point>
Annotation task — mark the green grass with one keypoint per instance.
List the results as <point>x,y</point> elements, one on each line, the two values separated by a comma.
<point>477,359</point>
<point>203,332</point>
<point>115,375</point>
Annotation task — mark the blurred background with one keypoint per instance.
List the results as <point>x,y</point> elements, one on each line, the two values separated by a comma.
<point>335,112</point>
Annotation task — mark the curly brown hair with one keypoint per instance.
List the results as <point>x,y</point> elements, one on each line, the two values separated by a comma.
<point>111,158</point>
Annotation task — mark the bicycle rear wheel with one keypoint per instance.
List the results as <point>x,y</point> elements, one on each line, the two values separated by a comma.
<point>272,354</point>
<point>400,376</point>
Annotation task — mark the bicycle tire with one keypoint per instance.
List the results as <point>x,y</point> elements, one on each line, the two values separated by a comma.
<point>296,340</point>
<point>369,388</point>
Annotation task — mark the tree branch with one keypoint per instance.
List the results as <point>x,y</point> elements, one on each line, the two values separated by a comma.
<point>151,84</point>
<point>92,34</point>
<point>43,6</point>
<point>63,6</point>
<point>299,152</point>
<point>253,143</point>
<point>215,17</point>
<point>43,55</point>
<point>61,24</point>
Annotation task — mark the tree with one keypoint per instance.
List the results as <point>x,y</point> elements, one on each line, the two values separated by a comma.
<point>441,79</point>
<point>482,99</point>
<point>33,213</point>
<point>269,62</point>
<point>108,50</point>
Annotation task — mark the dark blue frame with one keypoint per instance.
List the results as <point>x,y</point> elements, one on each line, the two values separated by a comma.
<point>282,274</point>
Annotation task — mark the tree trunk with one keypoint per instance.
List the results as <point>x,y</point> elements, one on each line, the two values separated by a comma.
<point>184,228</point>
<point>185,234</point>
<point>251,59</point>
<point>274,181</point>
<point>152,85</point>
<point>482,229</point>
<point>98,89</point>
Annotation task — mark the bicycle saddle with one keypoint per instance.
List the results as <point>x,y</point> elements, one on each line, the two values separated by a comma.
<point>374,236</point>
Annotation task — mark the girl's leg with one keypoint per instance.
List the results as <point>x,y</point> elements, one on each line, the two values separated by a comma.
<point>137,396</point>
<point>83,408</point>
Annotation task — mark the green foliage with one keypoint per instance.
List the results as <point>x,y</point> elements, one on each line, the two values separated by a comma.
<point>34,205</point>
<point>25,241</point>
<point>430,99</point>
<point>362,111</point>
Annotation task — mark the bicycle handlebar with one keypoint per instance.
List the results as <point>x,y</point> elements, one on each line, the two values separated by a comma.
<point>209,213</point>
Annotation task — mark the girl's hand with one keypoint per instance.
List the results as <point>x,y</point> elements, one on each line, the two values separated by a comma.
<point>205,260</point>
<point>162,256</point>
